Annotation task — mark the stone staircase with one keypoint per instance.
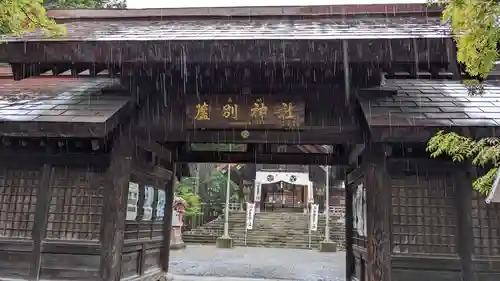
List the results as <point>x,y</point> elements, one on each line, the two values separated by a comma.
<point>276,230</point>
<point>208,233</point>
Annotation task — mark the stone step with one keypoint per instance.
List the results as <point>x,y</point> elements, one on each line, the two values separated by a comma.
<point>281,230</point>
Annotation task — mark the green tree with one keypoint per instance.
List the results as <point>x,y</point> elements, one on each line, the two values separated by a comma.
<point>484,153</point>
<point>80,4</point>
<point>476,25</point>
<point>184,189</point>
<point>20,16</point>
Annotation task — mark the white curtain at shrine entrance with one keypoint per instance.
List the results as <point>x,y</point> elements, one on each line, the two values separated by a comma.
<point>264,177</point>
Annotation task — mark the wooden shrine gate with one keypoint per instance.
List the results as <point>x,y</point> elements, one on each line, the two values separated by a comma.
<point>87,157</point>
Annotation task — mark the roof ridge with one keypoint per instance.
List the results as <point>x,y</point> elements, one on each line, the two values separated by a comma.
<point>261,11</point>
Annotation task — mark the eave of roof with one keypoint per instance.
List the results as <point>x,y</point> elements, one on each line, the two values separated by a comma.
<point>260,29</point>
<point>59,106</point>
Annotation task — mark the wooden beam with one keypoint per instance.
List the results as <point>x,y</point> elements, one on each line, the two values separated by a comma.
<point>267,158</point>
<point>463,207</point>
<point>77,69</point>
<point>154,147</point>
<point>378,207</point>
<point>96,69</point>
<point>453,65</point>
<point>415,70</point>
<point>349,232</point>
<point>21,71</point>
<point>115,196</point>
<point>95,160</point>
<point>355,153</point>
<point>310,135</point>
<point>59,68</point>
<point>465,175</point>
<point>347,74</point>
<point>167,217</point>
<point>153,171</point>
<point>41,211</point>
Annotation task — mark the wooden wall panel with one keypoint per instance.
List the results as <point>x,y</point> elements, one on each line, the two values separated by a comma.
<point>130,264</point>
<point>56,266</point>
<point>419,275</point>
<point>75,210</point>
<point>152,259</point>
<point>15,264</point>
<point>17,202</point>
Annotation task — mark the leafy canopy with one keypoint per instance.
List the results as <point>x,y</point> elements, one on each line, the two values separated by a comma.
<point>20,16</point>
<point>476,26</point>
<point>483,153</point>
<point>184,189</point>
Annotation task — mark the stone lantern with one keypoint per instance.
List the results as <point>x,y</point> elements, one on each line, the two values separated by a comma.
<point>178,210</point>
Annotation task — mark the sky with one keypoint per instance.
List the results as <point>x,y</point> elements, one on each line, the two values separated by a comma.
<point>144,4</point>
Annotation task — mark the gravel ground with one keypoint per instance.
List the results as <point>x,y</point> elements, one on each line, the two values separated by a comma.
<point>263,263</point>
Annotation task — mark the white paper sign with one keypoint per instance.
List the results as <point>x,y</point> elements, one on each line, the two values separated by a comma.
<point>359,210</point>
<point>133,197</point>
<point>257,191</point>
<point>310,193</point>
<point>250,215</point>
<point>149,196</point>
<point>176,219</point>
<point>313,223</point>
<point>160,205</point>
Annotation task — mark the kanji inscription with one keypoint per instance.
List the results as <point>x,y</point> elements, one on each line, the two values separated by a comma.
<point>235,111</point>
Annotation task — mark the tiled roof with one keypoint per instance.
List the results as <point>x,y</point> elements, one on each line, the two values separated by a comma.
<point>58,99</point>
<point>305,29</point>
<point>434,104</point>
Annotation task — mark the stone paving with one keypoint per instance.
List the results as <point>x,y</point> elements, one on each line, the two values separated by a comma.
<point>260,263</point>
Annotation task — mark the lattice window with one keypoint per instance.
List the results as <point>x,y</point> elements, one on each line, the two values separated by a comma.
<point>485,227</point>
<point>18,202</point>
<point>75,210</point>
<point>423,216</point>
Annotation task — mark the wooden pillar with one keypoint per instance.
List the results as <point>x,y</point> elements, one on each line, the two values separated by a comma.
<point>43,195</point>
<point>378,208</point>
<point>167,216</point>
<point>349,239</point>
<point>463,209</point>
<point>114,210</point>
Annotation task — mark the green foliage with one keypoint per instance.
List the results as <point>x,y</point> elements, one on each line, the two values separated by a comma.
<point>475,24</point>
<point>20,16</point>
<point>476,28</point>
<point>212,190</point>
<point>483,153</point>
<point>88,4</point>
<point>184,189</point>
<point>212,186</point>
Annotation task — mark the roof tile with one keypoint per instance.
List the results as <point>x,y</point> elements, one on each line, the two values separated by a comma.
<point>58,99</point>
<point>231,29</point>
<point>443,103</point>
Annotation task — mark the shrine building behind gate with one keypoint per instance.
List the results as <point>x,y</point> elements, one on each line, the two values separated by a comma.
<point>373,81</point>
